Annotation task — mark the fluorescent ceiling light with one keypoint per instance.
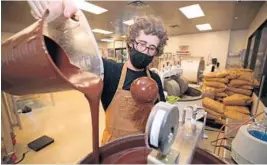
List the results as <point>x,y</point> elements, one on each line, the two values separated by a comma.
<point>192,11</point>
<point>204,27</point>
<point>89,7</point>
<point>101,31</point>
<point>107,40</point>
<point>129,22</point>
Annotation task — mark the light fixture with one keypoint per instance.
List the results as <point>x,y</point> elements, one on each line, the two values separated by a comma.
<point>89,7</point>
<point>204,27</point>
<point>129,22</point>
<point>107,40</point>
<point>124,36</point>
<point>192,11</point>
<point>101,31</point>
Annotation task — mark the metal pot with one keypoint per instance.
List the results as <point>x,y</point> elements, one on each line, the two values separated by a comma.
<point>132,150</point>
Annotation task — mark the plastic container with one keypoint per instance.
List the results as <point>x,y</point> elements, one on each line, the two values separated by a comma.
<point>258,130</point>
<point>38,59</point>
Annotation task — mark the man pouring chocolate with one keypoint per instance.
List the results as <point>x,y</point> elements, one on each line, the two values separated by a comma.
<point>145,39</point>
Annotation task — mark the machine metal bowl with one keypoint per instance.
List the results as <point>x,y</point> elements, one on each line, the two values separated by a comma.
<point>132,150</point>
<point>192,96</point>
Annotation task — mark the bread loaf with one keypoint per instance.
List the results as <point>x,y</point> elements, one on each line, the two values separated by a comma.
<point>232,74</point>
<point>237,82</point>
<point>208,92</point>
<point>242,86</point>
<point>241,109</point>
<point>237,99</point>
<point>229,93</point>
<point>214,113</point>
<point>219,90</point>
<point>219,74</point>
<point>210,75</point>
<point>221,94</point>
<point>213,90</point>
<point>247,76</point>
<point>240,91</point>
<point>213,105</point>
<point>214,84</point>
<point>236,115</point>
<point>223,80</point>
<point>246,87</point>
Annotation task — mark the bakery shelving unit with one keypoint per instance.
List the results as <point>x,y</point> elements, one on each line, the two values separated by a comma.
<point>235,59</point>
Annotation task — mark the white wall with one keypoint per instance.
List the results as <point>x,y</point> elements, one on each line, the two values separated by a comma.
<point>238,40</point>
<point>215,43</point>
<point>258,20</point>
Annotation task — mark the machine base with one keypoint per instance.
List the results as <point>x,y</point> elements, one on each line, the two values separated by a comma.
<point>238,158</point>
<point>156,158</point>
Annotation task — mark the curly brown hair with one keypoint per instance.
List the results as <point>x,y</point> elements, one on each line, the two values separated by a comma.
<point>150,25</point>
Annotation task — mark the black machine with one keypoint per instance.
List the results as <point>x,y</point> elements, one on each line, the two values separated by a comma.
<point>215,64</point>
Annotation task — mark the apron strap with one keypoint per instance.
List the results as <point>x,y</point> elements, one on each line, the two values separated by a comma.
<point>123,76</point>
<point>149,75</point>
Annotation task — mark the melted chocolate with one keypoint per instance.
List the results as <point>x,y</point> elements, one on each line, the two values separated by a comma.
<point>132,150</point>
<point>88,83</point>
<point>126,150</point>
<point>136,155</point>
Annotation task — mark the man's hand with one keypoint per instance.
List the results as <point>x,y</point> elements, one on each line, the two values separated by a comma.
<point>56,8</point>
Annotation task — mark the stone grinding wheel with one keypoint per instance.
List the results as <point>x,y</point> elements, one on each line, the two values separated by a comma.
<point>162,126</point>
<point>182,83</point>
<point>144,90</point>
<point>172,87</point>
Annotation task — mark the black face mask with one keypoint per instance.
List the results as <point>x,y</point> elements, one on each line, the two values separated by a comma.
<point>140,60</point>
